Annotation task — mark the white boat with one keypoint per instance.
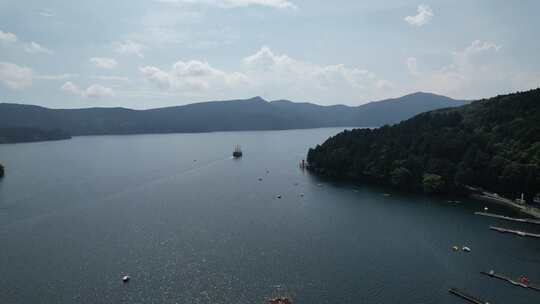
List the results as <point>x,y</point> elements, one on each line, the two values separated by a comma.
<point>466,249</point>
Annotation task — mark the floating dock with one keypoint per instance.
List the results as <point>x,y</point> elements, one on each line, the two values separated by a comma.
<point>466,297</point>
<point>516,232</point>
<point>507,218</point>
<point>510,280</point>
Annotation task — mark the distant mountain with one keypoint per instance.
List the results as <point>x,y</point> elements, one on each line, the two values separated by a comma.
<point>248,114</point>
<point>491,143</point>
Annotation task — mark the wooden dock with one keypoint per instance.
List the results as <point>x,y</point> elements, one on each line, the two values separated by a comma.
<point>510,280</point>
<point>516,232</point>
<point>507,218</point>
<point>466,297</point>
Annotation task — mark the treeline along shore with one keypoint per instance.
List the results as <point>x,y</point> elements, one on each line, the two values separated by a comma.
<point>491,144</point>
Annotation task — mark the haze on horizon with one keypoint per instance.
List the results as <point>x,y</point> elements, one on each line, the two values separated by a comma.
<point>154,53</point>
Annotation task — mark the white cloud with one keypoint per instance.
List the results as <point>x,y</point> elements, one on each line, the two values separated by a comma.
<point>412,65</point>
<point>268,73</point>
<point>71,88</point>
<point>193,76</point>
<point>103,62</point>
<point>278,4</point>
<point>56,77</point>
<point>384,84</point>
<point>30,47</point>
<point>265,58</point>
<point>424,16</point>
<point>303,79</point>
<point>7,37</point>
<point>47,13</point>
<point>34,48</point>
<point>96,91</point>
<point>15,77</point>
<point>111,78</point>
<point>473,71</point>
<point>93,91</point>
<point>478,46</point>
<point>130,47</point>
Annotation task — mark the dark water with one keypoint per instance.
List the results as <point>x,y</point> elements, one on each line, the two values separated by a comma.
<point>76,215</point>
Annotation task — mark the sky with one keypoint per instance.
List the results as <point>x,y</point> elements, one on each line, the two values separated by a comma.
<point>153,53</point>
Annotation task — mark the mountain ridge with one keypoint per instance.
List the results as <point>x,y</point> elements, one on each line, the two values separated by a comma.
<point>254,98</point>
<point>253,113</point>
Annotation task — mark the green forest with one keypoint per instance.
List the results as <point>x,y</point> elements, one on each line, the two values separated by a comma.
<point>493,144</point>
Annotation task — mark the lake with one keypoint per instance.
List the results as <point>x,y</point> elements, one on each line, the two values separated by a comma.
<point>190,224</point>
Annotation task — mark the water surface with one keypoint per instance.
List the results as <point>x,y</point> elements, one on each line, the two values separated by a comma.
<point>191,225</point>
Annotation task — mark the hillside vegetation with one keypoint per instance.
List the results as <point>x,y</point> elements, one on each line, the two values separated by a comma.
<point>491,143</point>
<point>29,134</point>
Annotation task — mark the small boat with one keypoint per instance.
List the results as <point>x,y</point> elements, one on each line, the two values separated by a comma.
<point>301,194</point>
<point>278,196</point>
<point>280,300</point>
<point>126,279</point>
<point>466,249</point>
<point>237,153</point>
<point>279,296</point>
<point>455,248</point>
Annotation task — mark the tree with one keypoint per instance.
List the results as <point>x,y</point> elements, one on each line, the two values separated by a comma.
<point>493,144</point>
<point>402,178</point>
<point>464,176</point>
<point>432,183</point>
<point>519,178</point>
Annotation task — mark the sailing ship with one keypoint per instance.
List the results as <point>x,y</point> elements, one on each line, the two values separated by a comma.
<point>237,153</point>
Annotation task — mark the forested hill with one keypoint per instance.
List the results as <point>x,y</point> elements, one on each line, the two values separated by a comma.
<point>492,143</point>
<point>231,115</point>
<point>29,134</point>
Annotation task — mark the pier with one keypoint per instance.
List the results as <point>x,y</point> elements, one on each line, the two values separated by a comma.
<point>466,297</point>
<point>507,218</point>
<point>516,232</point>
<point>510,280</point>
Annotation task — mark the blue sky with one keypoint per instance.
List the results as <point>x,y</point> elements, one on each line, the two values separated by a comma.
<point>152,53</point>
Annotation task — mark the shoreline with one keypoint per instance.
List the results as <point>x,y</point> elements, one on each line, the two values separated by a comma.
<point>470,192</point>
<point>490,198</point>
